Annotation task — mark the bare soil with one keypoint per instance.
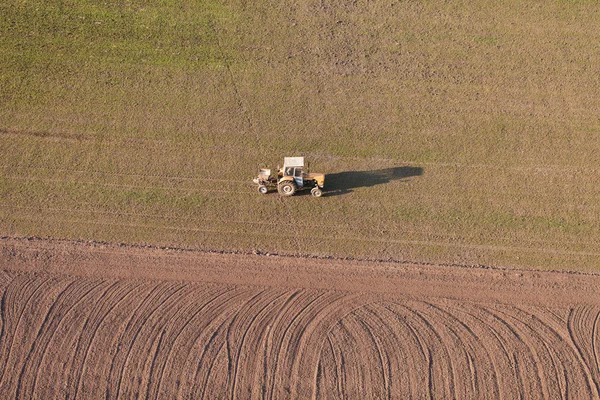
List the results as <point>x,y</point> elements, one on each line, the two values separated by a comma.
<point>91,320</point>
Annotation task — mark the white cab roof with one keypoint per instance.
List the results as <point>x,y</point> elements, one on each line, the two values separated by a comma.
<point>293,162</point>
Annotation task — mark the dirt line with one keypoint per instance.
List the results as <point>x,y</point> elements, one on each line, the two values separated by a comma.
<point>106,260</point>
<point>108,184</point>
<point>388,160</point>
<point>426,243</point>
<point>273,223</point>
<point>109,173</point>
<point>159,322</point>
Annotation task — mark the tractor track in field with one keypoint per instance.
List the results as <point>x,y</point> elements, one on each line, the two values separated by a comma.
<point>296,238</point>
<point>88,321</point>
<point>558,169</point>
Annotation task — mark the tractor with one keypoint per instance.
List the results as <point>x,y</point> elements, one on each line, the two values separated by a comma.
<point>291,178</point>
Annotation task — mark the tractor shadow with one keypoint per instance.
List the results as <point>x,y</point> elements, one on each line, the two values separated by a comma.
<point>345,182</point>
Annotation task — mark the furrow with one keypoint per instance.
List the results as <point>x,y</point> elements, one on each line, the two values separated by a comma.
<point>61,330</point>
<point>114,295</point>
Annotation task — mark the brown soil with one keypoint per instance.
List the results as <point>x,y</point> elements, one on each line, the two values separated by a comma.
<point>90,320</point>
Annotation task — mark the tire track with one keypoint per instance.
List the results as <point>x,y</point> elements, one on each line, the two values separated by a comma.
<point>215,301</point>
<point>114,295</point>
<point>444,244</point>
<point>62,319</point>
<point>173,330</point>
<point>26,320</point>
<point>581,324</point>
<point>75,337</point>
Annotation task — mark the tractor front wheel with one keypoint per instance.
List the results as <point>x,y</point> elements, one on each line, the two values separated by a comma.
<point>286,188</point>
<point>316,192</point>
<point>262,189</point>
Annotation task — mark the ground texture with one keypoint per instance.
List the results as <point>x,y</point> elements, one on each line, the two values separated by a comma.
<point>91,320</point>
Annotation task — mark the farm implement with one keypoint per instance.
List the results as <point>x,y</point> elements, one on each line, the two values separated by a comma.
<point>290,179</point>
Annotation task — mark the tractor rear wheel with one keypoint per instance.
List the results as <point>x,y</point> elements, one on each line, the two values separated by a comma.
<point>286,188</point>
<point>316,192</point>
<point>262,189</point>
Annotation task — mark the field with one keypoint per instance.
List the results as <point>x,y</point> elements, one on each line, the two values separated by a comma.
<point>449,132</point>
<point>102,321</point>
<point>454,253</point>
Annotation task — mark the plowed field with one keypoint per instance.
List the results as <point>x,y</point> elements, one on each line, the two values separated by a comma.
<point>158,323</point>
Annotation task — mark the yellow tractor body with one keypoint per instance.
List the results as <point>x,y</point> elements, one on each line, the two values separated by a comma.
<point>291,178</point>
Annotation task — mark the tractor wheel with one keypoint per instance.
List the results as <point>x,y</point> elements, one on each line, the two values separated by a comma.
<point>262,189</point>
<point>286,188</point>
<point>316,192</point>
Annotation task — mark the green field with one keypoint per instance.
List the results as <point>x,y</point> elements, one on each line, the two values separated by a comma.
<point>450,132</point>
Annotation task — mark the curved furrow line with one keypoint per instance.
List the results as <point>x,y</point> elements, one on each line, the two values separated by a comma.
<point>349,362</point>
<point>275,337</point>
<point>263,341</point>
<point>441,370</point>
<point>113,296</point>
<point>581,325</point>
<point>298,300</point>
<point>210,348</point>
<point>211,353</point>
<point>469,353</point>
<point>493,343</point>
<point>62,333</point>
<point>141,359</point>
<point>374,366</point>
<point>537,336</point>
<point>526,360</point>
<point>358,359</point>
<point>421,358</point>
<point>174,327</point>
<point>191,342</point>
<point>158,292</point>
<point>457,349</point>
<point>571,375</point>
<point>421,383</point>
<point>389,348</point>
<point>5,278</point>
<point>516,350</point>
<point>251,348</point>
<point>283,339</point>
<point>51,316</point>
<point>240,333</point>
<point>30,320</point>
<point>563,353</point>
<point>339,362</point>
<point>146,328</point>
<point>144,350</point>
<point>202,330</point>
<point>216,300</point>
<point>15,300</point>
<point>596,343</point>
<point>233,365</point>
<point>308,338</point>
<point>207,355</point>
<point>405,352</point>
<point>214,388</point>
<point>107,345</point>
<point>328,378</point>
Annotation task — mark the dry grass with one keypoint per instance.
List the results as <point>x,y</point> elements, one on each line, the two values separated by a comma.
<point>144,123</point>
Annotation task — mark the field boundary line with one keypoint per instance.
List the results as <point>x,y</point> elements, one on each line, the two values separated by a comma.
<point>270,223</point>
<point>425,243</point>
<point>188,252</point>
